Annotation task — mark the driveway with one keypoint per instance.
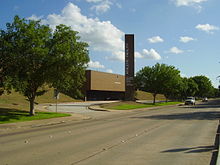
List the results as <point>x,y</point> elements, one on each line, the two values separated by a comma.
<point>78,108</point>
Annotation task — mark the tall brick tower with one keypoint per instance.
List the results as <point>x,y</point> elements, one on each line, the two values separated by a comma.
<point>129,67</point>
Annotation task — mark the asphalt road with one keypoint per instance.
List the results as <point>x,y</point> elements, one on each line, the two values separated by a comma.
<point>179,135</point>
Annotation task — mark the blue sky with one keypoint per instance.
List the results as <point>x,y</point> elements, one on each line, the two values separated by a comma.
<point>182,33</point>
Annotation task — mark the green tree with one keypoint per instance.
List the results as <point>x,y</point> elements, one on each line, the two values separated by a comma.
<point>205,88</point>
<point>172,83</point>
<point>32,56</point>
<point>24,57</point>
<point>216,92</point>
<point>69,57</point>
<point>160,78</point>
<point>189,87</point>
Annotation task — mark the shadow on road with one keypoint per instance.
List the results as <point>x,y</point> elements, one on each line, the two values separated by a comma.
<point>198,149</point>
<point>213,115</point>
<point>191,115</point>
<point>214,149</point>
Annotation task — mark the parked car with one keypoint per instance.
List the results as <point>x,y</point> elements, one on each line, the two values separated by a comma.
<point>190,101</point>
<point>205,99</point>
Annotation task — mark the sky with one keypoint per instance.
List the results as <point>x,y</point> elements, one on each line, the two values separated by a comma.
<point>181,33</point>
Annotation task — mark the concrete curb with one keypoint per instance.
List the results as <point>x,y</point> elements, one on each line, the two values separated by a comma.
<point>97,108</point>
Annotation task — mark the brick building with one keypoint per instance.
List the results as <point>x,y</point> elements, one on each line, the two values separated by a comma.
<point>104,86</point>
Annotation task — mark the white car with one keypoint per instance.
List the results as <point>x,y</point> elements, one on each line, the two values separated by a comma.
<point>190,101</point>
<point>205,99</point>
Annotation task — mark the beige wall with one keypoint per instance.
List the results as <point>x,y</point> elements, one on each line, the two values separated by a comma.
<point>105,81</point>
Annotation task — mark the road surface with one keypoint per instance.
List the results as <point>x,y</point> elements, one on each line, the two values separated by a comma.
<point>179,135</point>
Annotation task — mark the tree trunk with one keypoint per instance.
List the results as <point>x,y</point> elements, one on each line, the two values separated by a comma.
<point>32,111</point>
<point>154,98</point>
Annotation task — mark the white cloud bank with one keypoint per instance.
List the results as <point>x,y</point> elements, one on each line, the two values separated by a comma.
<point>155,39</point>
<point>101,35</point>
<point>207,27</point>
<point>186,39</point>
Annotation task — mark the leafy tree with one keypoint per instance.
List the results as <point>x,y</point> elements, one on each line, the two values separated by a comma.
<point>205,87</point>
<point>184,87</point>
<point>192,87</point>
<point>160,78</point>
<point>69,57</point>
<point>216,92</point>
<point>173,83</point>
<point>32,55</point>
<point>24,56</point>
<point>189,87</point>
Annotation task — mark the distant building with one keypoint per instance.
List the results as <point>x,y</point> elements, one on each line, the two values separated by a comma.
<point>104,86</point>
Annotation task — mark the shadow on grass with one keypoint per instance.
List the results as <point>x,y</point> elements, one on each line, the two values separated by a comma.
<point>7,114</point>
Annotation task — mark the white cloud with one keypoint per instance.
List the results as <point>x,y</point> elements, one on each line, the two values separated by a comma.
<point>151,54</point>
<point>120,56</point>
<point>35,18</point>
<point>138,55</point>
<point>101,35</point>
<point>207,27</point>
<point>109,70</point>
<point>117,56</point>
<point>102,7</point>
<point>95,64</point>
<point>155,39</point>
<point>188,2</point>
<point>193,3</point>
<point>186,39</point>
<point>94,1</point>
<point>175,50</point>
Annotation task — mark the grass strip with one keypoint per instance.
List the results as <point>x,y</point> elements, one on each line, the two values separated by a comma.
<point>137,106</point>
<point>12,116</point>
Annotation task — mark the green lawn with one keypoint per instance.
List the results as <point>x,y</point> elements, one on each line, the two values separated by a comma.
<point>13,115</point>
<point>137,106</point>
<point>15,108</point>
